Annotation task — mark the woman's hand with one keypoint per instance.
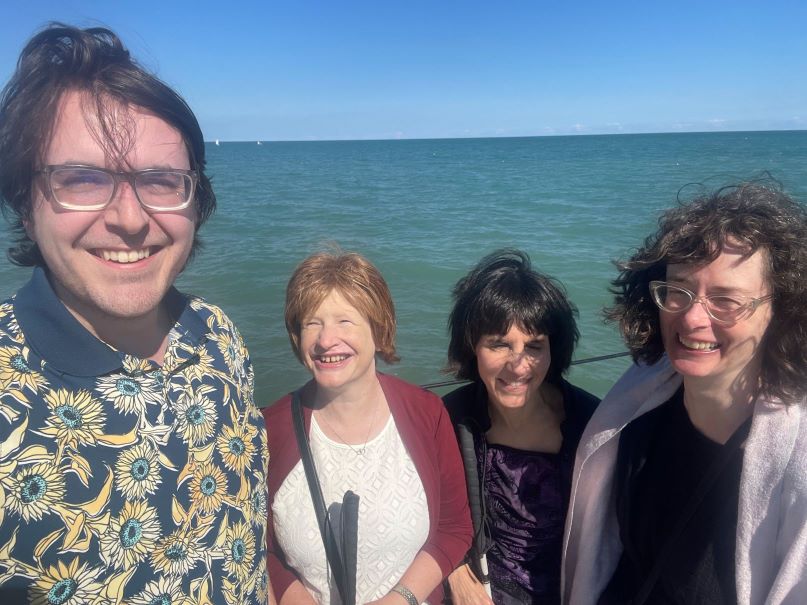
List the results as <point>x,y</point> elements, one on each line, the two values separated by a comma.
<point>466,589</point>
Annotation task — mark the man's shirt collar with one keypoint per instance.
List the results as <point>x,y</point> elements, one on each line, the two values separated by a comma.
<point>56,336</point>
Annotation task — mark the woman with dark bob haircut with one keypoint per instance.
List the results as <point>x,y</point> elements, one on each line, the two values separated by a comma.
<point>513,333</point>
<point>691,479</point>
<point>386,440</point>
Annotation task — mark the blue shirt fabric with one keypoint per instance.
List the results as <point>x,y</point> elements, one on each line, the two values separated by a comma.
<point>122,480</point>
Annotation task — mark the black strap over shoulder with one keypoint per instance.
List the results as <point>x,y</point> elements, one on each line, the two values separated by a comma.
<point>346,584</point>
<point>476,500</point>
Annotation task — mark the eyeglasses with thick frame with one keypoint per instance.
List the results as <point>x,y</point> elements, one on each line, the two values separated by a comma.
<point>90,188</point>
<point>720,307</point>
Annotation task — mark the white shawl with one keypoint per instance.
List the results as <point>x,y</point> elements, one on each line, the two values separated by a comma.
<point>771,552</point>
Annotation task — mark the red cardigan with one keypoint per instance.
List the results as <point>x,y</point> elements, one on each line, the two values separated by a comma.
<point>428,436</point>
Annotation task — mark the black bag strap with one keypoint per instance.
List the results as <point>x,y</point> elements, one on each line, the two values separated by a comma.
<point>480,542</point>
<point>711,475</point>
<point>325,528</point>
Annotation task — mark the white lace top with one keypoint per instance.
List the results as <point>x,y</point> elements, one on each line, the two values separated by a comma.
<point>393,513</point>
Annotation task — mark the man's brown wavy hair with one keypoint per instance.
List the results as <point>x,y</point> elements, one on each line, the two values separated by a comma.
<point>757,216</point>
<point>95,63</point>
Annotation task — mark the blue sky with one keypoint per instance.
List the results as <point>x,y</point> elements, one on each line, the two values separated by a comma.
<point>349,69</point>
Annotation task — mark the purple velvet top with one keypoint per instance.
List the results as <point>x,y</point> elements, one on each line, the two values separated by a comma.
<point>526,515</point>
<point>521,497</point>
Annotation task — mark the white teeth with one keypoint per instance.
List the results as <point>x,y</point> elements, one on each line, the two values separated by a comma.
<point>333,358</point>
<point>697,344</point>
<point>122,256</point>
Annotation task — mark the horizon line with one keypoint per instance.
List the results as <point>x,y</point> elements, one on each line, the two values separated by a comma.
<point>526,136</point>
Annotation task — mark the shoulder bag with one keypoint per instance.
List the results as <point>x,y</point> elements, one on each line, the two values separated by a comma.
<point>342,561</point>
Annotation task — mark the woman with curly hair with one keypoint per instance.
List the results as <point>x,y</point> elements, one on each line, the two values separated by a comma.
<point>690,482</point>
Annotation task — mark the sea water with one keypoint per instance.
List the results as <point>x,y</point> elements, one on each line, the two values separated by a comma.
<point>424,211</point>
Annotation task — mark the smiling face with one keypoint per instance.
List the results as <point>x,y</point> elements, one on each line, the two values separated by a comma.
<point>513,366</point>
<point>703,349</point>
<point>115,263</point>
<point>337,345</point>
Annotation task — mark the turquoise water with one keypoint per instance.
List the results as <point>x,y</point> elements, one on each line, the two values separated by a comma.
<point>426,210</point>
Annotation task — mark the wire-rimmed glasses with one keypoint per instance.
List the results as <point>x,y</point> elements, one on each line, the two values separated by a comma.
<point>720,307</point>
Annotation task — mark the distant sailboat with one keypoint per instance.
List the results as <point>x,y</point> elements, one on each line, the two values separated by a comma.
<point>217,143</point>
<point>259,143</point>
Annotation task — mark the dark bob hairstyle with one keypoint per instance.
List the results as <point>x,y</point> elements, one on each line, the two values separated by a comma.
<point>501,291</point>
<point>757,217</point>
<point>94,63</point>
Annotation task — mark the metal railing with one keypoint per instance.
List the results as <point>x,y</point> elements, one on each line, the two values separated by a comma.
<point>455,382</point>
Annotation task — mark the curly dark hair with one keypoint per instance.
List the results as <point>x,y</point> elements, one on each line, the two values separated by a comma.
<point>93,61</point>
<point>757,216</point>
<point>503,290</point>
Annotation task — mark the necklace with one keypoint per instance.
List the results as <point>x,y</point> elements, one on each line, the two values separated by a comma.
<point>358,451</point>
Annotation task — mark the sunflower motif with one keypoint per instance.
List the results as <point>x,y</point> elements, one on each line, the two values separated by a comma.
<point>234,353</point>
<point>236,446</point>
<point>263,438</point>
<point>253,413</point>
<point>16,371</point>
<point>217,315</point>
<point>66,585</point>
<point>208,487</point>
<point>164,591</point>
<point>130,536</point>
<point>136,366</point>
<point>258,507</point>
<point>12,327</point>
<point>129,393</point>
<point>262,587</point>
<point>137,472</point>
<point>75,418</point>
<point>198,370</point>
<point>31,491</point>
<point>177,349</point>
<point>177,553</point>
<point>196,417</point>
<point>158,377</point>
<point>239,551</point>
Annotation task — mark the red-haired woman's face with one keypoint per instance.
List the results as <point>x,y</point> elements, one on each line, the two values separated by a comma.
<point>336,344</point>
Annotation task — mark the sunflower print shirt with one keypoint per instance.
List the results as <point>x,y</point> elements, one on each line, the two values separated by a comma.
<point>122,481</point>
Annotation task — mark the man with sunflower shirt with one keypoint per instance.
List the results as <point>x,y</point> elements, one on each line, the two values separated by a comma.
<point>132,457</point>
